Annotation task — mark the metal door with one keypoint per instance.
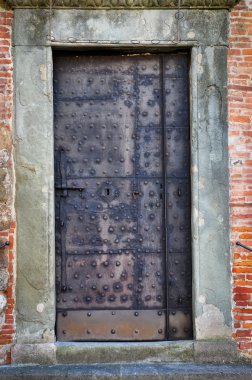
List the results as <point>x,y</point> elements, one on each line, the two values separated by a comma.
<point>122,196</point>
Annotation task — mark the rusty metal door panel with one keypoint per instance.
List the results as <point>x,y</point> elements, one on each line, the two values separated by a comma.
<point>113,282</point>
<point>151,215</point>
<point>178,151</point>
<point>149,152</point>
<point>178,196</point>
<point>92,142</point>
<point>178,215</point>
<point>122,199</point>
<point>121,324</point>
<point>180,324</point>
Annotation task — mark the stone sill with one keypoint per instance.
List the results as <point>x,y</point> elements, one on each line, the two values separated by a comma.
<point>124,352</point>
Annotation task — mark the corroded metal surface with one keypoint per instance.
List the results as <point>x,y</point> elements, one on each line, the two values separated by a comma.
<point>122,192</point>
<point>111,325</point>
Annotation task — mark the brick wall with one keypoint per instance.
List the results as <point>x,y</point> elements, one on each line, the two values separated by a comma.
<point>7,224</point>
<point>240,151</point>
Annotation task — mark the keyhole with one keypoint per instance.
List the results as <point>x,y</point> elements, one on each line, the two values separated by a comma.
<point>107,191</point>
<point>135,194</point>
<point>161,196</point>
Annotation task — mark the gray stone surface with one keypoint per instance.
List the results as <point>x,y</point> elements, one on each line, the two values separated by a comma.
<point>34,195</point>
<point>159,371</point>
<point>215,352</point>
<point>33,354</point>
<point>212,309</point>
<point>166,352</point>
<point>124,352</point>
<point>206,32</point>
<point>153,27</point>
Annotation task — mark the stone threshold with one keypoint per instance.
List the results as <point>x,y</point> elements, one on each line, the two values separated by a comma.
<point>125,352</point>
<point>147,371</point>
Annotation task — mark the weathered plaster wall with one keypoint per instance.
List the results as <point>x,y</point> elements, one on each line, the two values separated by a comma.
<point>7,216</point>
<point>240,148</point>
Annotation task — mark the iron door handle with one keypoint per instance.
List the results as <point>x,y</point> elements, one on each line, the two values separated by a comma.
<point>5,244</point>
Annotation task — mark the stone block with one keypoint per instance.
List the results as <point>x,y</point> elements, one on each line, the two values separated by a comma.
<point>215,352</point>
<point>33,354</point>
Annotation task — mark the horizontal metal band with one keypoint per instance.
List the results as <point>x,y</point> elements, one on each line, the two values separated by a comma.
<point>123,4</point>
<point>100,325</point>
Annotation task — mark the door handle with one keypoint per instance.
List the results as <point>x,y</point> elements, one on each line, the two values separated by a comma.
<point>5,244</point>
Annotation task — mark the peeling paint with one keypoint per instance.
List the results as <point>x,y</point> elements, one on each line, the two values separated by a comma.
<point>4,157</point>
<point>198,217</point>
<point>191,35</point>
<point>211,324</point>
<point>40,308</point>
<point>42,71</point>
<point>194,169</point>
<point>202,298</point>
<point>3,302</point>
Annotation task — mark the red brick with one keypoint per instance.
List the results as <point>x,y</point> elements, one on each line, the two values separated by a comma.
<point>245,345</point>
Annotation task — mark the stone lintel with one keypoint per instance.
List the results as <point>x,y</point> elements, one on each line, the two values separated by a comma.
<point>123,4</point>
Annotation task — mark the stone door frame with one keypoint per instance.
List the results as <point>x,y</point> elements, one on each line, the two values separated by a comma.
<point>36,33</point>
